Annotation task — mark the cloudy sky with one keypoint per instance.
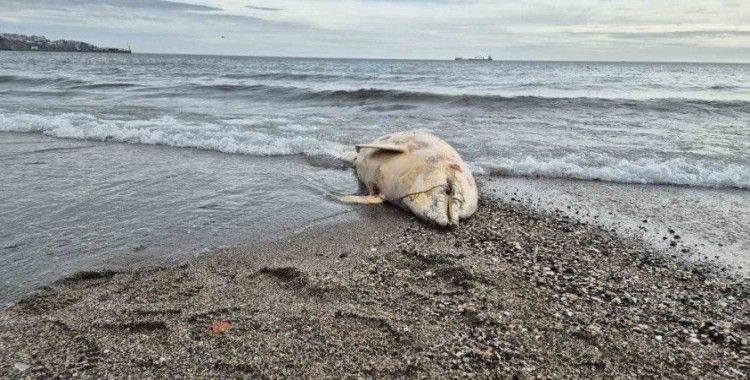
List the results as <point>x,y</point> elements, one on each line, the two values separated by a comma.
<point>649,30</point>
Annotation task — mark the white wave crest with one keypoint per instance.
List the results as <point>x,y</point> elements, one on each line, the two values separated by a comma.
<point>166,130</point>
<point>676,171</point>
<point>236,136</point>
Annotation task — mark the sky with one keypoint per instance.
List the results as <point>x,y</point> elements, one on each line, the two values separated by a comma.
<point>588,30</point>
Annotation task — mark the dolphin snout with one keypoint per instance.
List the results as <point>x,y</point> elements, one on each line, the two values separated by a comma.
<point>453,202</point>
<point>453,210</point>
<point>440,205</point>
<point>445,209</point>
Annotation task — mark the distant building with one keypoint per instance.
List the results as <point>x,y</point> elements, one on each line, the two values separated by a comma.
<point>19,42</point>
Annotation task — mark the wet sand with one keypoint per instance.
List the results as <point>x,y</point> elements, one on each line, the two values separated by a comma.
<point>71,205</point>
<point>513,291</point>
<point>695,223</point>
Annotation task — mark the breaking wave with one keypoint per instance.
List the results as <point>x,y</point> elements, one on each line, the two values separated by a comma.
<point>676,171</point>
<point>236,136</point>
<point>167,130</point>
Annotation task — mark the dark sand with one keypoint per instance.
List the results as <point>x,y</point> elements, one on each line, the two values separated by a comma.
<point>510,292</point>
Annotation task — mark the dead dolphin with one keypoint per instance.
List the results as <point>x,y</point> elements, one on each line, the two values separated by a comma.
<point>419,172</point>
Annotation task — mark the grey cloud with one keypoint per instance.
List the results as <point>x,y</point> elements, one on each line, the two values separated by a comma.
<point>155,18</point>
<point>161,5</point>
<point>678,34</point>
<point>158,4</point>
<point>262,8</point>
<point>731,4</point>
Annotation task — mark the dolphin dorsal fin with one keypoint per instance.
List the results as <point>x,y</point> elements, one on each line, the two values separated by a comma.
<point>386,147</point>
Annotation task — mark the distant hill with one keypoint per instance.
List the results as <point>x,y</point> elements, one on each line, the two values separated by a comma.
<point>9,41</point>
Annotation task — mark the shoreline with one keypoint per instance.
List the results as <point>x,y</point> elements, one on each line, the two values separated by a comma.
<point>512,291</point>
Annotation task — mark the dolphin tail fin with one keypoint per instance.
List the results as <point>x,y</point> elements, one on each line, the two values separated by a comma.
<point>362,199</point>
<point>349,157</point>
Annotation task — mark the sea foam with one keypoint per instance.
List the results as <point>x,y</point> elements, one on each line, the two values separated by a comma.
<point>675,171</point>
<point>236,136</point>
<point>166,130</point>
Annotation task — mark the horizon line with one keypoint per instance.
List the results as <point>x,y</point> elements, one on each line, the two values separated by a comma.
<point>440,59</point>
<point>404,59</point>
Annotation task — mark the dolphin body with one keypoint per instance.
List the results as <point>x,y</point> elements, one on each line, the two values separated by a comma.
<point>417,171</point>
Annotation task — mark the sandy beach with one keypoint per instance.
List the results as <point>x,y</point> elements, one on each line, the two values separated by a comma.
<point>512,292</point>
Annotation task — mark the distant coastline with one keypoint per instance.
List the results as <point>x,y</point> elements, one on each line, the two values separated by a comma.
<point>21,42</point>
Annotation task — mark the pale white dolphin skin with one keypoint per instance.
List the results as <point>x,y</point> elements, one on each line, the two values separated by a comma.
<point>419,172</point>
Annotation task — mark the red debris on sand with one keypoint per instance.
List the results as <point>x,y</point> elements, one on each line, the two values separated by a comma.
<point>219,327</point>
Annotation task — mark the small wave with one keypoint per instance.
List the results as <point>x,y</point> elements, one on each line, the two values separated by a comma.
<point>95,86</point>
<point>167,130</point>
<point>677,171</point>
<point>286,76</point>
<point>390,108</point>
<point>22,80</point>
<point>7,78</point>
<point>234,88</point>
<point>381,95</point>
<point>678,87</point>
<point>724,87</point>
<point>377,96</point>
<point>322,77</point>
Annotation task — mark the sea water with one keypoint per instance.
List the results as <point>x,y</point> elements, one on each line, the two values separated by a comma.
<point>114,159</point>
